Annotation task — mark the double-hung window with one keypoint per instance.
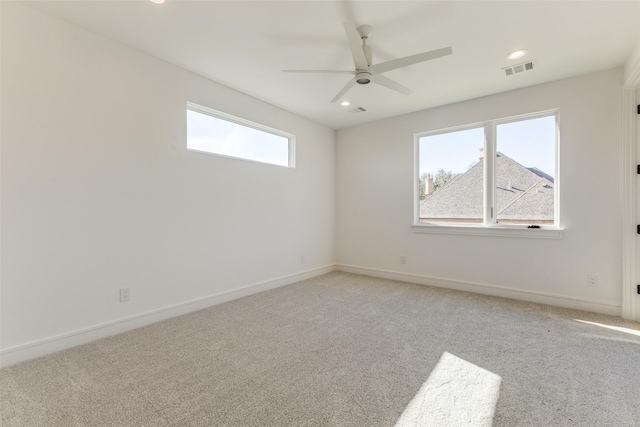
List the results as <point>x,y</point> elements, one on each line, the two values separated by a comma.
<point>490,177</point>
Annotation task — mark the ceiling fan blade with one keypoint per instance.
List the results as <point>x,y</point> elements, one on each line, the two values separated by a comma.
<point>346,10</point>
<point>344,90</point>
<point>355,44</point>
<point>391,84</point>
<point>410,60</point>
<point>319,71</point>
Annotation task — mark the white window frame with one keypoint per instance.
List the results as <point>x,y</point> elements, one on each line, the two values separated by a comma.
<point>489,226</point>
<point>247,123</point>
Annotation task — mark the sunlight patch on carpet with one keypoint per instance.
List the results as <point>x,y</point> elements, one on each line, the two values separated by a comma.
<point>457,393</point>
<point>615,328</point>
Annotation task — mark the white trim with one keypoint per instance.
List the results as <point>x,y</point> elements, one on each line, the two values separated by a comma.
<point>489,210</point>
<point>291,138</point>
<point>629,188</point>
<point>630,303</point>
<point>486,289</point>
<point>237,120</point>
<point>461,128</point>
<point>489,127</point>
<point>240,159</point>
<point>630,299</point>
<point>416,179</point>
<point>53,344</point>
<point>632,79</point>
<point>556,179</point>
<point>493,231</point>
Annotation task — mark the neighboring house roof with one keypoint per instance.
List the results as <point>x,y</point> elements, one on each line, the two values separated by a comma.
<point>522,194</point>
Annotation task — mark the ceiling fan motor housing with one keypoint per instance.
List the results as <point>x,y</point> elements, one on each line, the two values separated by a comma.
<point>363,77</point>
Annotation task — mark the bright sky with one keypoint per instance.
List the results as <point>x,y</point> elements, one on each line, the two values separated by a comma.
<point>214,135</point>
<point>529,142</point>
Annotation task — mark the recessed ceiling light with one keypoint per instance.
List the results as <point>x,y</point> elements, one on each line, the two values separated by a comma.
<point>345,103</point>
<point>517,54</point>
<point>158,1</point>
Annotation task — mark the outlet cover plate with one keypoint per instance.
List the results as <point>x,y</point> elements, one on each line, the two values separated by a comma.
<point>125,294</point>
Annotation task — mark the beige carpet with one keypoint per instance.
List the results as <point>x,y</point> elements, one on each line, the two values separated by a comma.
<point>343,350</point>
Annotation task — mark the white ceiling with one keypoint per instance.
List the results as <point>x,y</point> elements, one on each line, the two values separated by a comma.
<point>247,44</point>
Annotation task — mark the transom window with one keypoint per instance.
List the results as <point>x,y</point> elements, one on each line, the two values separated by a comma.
<point>214,132</point>
<point>501,172</point>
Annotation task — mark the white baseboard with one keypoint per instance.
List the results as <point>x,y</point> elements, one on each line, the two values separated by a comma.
<point>485,289</point>
<point>34,349</point>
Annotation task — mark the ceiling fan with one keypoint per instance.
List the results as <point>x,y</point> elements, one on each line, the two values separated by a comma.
<point>366,72</point>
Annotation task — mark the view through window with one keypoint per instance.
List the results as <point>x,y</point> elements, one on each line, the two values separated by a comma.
<point>524,171</point>
<point>214,132</point>
<point>449,157</point>
<point>451,173</point>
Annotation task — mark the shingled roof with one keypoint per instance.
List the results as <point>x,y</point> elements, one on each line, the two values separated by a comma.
<point>522,194</point>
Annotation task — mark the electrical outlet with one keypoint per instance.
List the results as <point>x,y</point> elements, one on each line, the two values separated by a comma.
<point>403,259</point>
<point>592,280</point>
<point>125,294</point>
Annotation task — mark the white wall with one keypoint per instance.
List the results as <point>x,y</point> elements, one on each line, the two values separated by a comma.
<point>99,191</point>
<point>375,205</point>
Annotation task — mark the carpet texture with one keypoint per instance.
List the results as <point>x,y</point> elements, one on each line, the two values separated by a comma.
<point>343,350</point>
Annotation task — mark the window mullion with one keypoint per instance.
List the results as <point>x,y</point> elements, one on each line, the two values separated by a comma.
<point>489,173</point>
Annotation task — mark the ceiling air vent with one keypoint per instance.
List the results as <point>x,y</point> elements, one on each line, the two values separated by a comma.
<point>357,110</point>
<point>519,68</point>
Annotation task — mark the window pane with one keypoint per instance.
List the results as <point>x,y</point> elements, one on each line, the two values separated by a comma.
<point>451,177</point>
<point>525,169</point>
<point>219,136</point>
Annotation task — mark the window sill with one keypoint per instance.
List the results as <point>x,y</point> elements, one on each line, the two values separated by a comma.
<point>495,231</point>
